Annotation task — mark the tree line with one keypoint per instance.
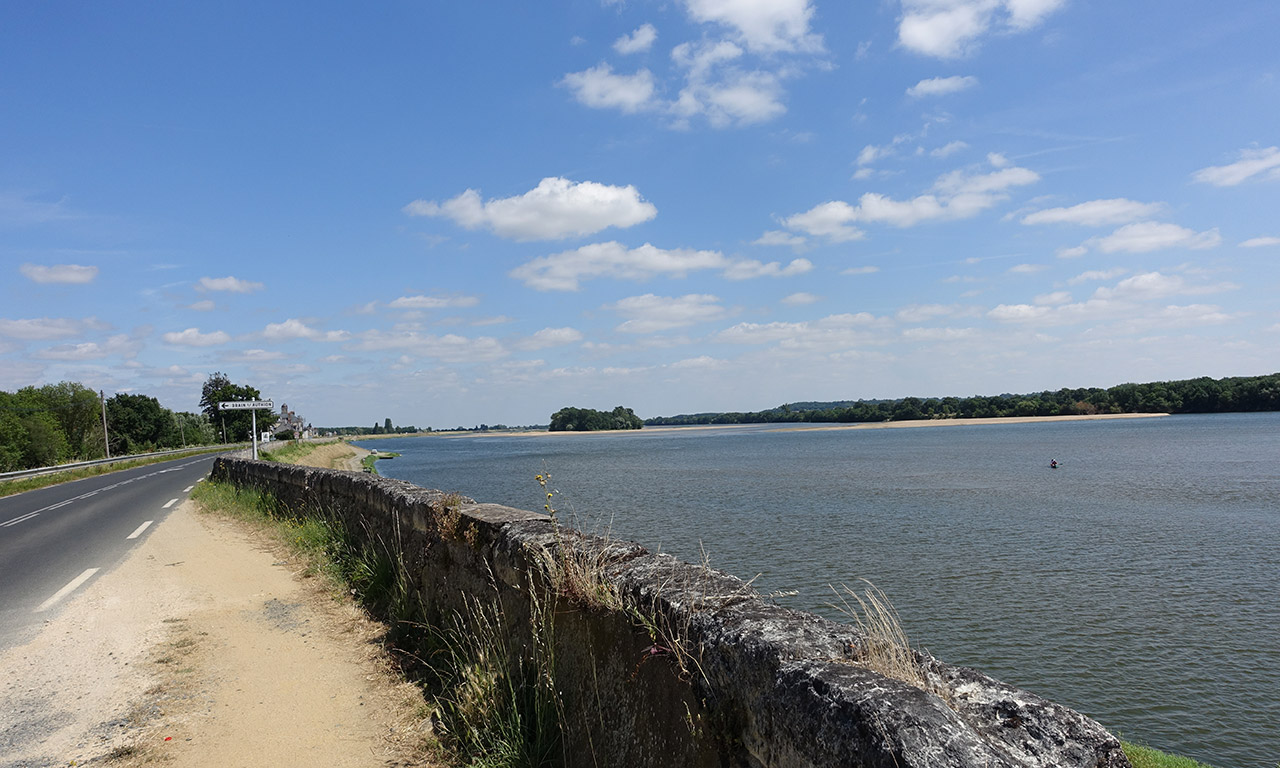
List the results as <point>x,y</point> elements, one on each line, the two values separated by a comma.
<point>587,420</point>
<point>1202,395</point>
<point>60,423</point>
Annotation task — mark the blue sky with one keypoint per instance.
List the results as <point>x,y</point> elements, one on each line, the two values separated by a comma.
<point>454,213</point>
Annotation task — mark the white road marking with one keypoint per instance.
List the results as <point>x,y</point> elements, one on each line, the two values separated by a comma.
<point>141,528</point>
<point>75,583</point>
<point>20,519</point>
<point>169,503</point>
<point>188,489</point>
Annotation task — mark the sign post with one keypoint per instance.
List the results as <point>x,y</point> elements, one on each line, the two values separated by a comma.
<point>252,406</point>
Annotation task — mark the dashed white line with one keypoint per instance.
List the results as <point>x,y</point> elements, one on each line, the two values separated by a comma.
<point>188,489</point>
<point>75,583</point>
<point>19,519</point>
<point>141,528</point>
<point>169,503</point>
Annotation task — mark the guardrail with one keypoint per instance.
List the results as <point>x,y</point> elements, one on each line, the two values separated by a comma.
<point>114,459</point>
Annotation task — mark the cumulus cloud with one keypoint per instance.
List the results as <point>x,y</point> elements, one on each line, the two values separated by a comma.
<point>204,305</point>
<point>956,195</point>
<point>565,271</point>
<point>828,334</point>
<point>1072,252</point>
<point>551,337</point>
<point>779,237</point>
<point>941,86</point>
<point>748,269</point>
<point>59,273</point>
<point>1155,285</point>
<point>1130,298</point>
<point>433,302</point>
<point>865,270</point>
<point>800,299</point>
<point>1147,236</point>
<point>557,208</point>
<point>950,28</point>
<point>1260,242</point>
<point>192,337</point>
<point>231,284</point>
<point>725,96</point>
<point>1027,269</point>
<point>763,27</point>
<point>294,328</point>
<point>948,149</point>
<point>119,344</point>
<point>1097,275</point>
<point>1096,213</point>
<point>449,348</point>
<point>1261,163</point>
<point>636,42</point>
<point>600,88</point>
<point>650,313</point>
<point>39,328</point>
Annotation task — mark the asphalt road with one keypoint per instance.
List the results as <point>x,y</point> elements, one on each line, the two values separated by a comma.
<point>54,541</point>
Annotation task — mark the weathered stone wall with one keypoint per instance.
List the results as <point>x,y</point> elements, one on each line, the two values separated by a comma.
<point>691,668</point>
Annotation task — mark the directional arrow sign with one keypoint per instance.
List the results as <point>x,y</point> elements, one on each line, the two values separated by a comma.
<point>243,405</point>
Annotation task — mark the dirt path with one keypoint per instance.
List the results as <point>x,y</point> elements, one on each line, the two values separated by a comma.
<point>206,649</point>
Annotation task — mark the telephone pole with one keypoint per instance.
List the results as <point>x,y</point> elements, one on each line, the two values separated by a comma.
<point>106,442</point>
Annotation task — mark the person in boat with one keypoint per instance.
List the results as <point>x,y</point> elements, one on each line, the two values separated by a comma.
<point>1053,463</point>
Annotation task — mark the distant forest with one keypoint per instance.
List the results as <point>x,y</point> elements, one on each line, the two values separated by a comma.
<point>1203,395</point>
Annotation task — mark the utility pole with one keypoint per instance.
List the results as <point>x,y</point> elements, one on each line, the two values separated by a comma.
<point>181,430</point>
<point>105,441</point>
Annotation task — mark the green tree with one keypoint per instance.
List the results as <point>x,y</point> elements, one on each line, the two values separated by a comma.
<point>237,424</point>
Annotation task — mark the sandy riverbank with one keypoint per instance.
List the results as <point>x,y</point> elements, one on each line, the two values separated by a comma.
<point>818,427</point>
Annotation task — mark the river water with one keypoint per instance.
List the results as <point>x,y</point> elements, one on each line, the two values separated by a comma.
<point>1138,583</point>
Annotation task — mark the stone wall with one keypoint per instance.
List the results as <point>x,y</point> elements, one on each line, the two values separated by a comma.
<point>682,665</point>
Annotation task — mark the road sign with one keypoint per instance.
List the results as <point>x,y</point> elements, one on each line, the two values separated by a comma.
<point>242,405</point>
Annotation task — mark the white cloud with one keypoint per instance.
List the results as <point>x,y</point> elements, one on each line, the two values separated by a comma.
<point>204,305</point>
<point>1155,285</point>
<point>232,284</point>
<point>1019,313</point>
<point>449,348</point>
<point>433,302</point>
<point>959,196</point>
<point>941,86</point>
<point>948,149</point>
<point>650,313</point>
<point>557,208</point>
<point>119,344</point>
<point>867,270</point>
<point>564,271</point>
<point>830,220</point>
<point>1095,275</point>
<point>749,269</point>
<point>763,26</point>
<point>919,313</point>
<point>1054,299</point>
<point>600,88</point>
<point>1096,213</point>
<point>950,28</point>
<point>828,334</point>
<point>1073,252</point>
<point>296,329</point>
<point>726,98</point>
<point>779,237</point>
<point>637,42</point>
<point>252,356</point>
<point>1264,163</point>
<point>1260,242</point>
<point>59,273</point>
<point>39,328</point>
<point>1027,269</point>
<point>1146,236</point>
<point>801,299</point>
<point>192,337</point>
<point>551,337</point>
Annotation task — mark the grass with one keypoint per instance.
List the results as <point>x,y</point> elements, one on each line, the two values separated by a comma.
<point>24,484</point>
<point>369,461</point>
<point>883,647</point>
<point>1147,757</point>
<point>289,452</point>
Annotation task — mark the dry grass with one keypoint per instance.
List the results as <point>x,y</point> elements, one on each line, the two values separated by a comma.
<point>883,647</point>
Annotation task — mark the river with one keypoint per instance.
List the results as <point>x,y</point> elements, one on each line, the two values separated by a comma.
<point>1139,582</point>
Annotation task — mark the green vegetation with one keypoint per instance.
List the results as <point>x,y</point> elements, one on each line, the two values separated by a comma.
<point>62,423</point>
<point>1146,757</point>
<point>23,484</point>
<point>1203,395</point>
<point>287,452</point>
<point>586,420</point>
<point>232,425</point>
<point>369,462</point>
